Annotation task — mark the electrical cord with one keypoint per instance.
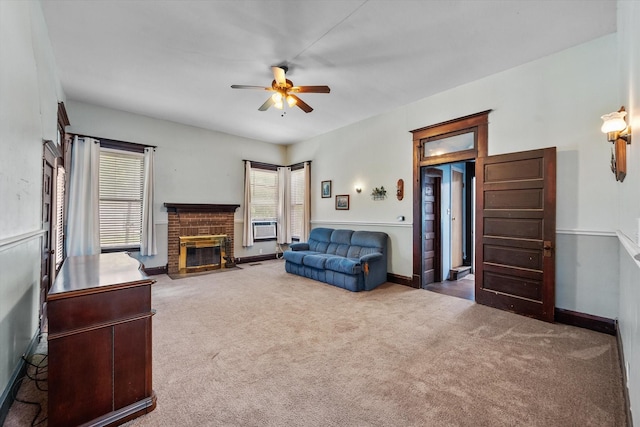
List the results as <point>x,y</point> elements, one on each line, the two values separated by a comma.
<point>40,369</point>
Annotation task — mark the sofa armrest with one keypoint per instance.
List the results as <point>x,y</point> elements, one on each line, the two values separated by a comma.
<point>300,246</point>
<point>374,267</point>
<point>370,257</point>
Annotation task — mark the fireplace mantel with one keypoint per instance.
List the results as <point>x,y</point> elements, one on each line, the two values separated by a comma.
<point>197,207</point>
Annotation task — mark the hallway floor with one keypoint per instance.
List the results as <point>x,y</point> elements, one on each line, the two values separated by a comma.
<point>462,288</point>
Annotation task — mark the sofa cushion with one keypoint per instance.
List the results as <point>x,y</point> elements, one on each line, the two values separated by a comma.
<point>341,237</point>
<point>354,252</point>
<point>343,265</point>
<point>338,249</point>
<point>315,261</point>
<point>319,239</point>
<point>373,241</point>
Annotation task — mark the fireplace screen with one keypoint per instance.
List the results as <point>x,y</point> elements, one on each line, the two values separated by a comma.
<point>201,253</point>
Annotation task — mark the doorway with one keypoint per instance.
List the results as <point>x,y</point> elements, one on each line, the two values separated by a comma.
<point>451,254</point>
<point>452,146</point>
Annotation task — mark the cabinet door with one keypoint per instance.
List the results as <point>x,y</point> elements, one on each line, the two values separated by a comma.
<point>80,377</point>
<point>132,362</point>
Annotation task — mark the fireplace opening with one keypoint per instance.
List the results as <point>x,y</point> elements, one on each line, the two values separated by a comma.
<point>197,257</point>
<point>202,253</point>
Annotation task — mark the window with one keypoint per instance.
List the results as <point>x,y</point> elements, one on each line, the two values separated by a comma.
<point>275,202</point>
<point>297,202</point>
<point>59,220</point>
<point>121,187</point>
<point>264,195</point>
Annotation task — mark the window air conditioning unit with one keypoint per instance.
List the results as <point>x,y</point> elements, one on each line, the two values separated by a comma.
<point>264,230</point>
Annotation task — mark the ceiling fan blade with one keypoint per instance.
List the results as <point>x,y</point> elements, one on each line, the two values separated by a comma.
<point>268,103</point>
<point>303,105</point>
<point>278,75</point>
<point>250,87</point>
<point>310,89</point>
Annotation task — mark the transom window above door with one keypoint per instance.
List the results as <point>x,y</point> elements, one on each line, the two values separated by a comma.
<point>449,143</point>
<point>452,141</point>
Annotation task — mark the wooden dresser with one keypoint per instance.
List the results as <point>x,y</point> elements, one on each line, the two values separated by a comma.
<point>99,310</point>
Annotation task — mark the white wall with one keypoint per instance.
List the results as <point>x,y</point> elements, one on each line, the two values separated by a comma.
<point>30,91</point>
<point>629,200</point>
<point>554,101</point>
<point>192,165</point>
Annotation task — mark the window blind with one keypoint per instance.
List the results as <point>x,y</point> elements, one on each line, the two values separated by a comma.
<point>264,195</point>
<point>59,225</point>
<point>121,186</point>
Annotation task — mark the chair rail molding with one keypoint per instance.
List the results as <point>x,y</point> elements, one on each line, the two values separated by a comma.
<point>10,242</point>
<point>579,232</point>
<point>364,223</point>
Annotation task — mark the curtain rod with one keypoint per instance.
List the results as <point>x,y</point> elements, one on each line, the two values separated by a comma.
<point>115,141</point>
<point>300,164</point>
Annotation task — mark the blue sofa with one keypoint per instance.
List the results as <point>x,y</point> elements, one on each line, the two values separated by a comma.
<point>353,260</point>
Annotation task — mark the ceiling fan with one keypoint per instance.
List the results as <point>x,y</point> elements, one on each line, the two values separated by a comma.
<point>285,91</point>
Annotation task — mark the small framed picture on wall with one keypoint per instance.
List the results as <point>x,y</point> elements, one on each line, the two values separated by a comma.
<point>325,189</point>
<point>342,202</point>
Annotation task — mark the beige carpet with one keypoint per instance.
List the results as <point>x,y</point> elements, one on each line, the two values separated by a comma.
<point>259,347</point>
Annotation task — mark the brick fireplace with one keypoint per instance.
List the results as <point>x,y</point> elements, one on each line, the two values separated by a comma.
<point>188,220</point>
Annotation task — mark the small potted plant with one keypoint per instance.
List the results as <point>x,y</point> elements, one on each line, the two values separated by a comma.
<point>379,193</point>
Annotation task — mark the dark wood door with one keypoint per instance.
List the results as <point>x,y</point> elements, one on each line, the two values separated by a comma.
<point>456,218</point>
<point>515,232</point>
<point>431,180</point>
<point>45,266</point>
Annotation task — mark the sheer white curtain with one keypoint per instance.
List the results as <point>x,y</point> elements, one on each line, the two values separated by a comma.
<point>306,207</point>
<point>284,205</point>
<point>148,244</point>
<point>247,232</point>
<point>83,214</point>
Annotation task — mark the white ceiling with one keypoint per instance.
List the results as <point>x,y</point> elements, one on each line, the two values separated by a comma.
<point>176,60</point>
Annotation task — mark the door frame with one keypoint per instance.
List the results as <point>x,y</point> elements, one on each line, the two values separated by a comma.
<point>51,158</point>
<point>478,124</point>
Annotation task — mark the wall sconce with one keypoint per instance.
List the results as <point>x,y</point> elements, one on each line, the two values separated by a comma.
<point>358,189</point>
<point>619,133</point>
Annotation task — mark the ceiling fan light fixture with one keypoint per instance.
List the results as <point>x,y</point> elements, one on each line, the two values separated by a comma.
<point>283,90</point>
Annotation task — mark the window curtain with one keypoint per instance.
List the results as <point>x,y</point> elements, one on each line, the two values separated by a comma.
<point>148,242</point>
<point>247,232</point>
<point>83,215</point>
<point>306,207</point>
<point>284,205</point>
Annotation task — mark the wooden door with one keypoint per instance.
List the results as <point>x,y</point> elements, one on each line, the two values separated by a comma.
<point>456,218</point>
<point>515,232</point>
<point>431,180</point>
